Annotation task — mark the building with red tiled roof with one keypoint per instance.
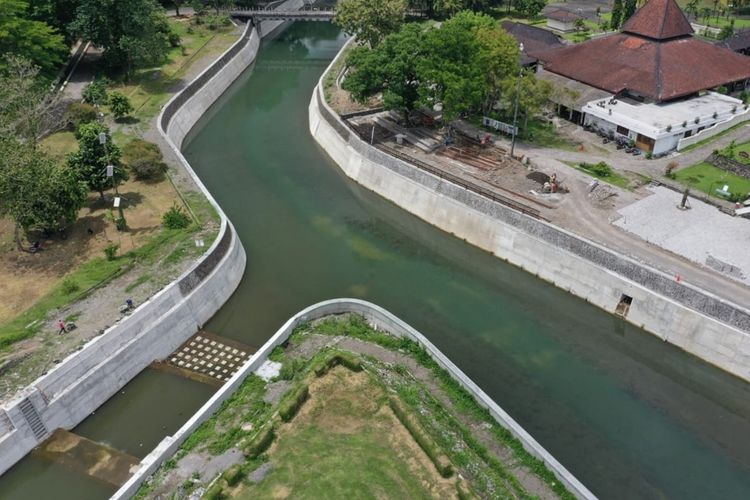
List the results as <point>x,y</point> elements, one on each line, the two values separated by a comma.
<point>654,57</point>
<point>659,74</point>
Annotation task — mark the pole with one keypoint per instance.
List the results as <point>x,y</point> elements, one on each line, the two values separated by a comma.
<point>515,110</point>
<point>121,220</point>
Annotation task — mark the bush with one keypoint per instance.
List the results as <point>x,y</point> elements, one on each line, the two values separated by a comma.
<point>440,459</point>
<point>69,285</point>
<point>120,105</point>
<point>234,474</point>
<point>144,159</point>
<point>293,402</point>
<point>79,113</point>
<point>601,169</point>
<point>95,92</point>
<point>291,368</point>
<point>345,359</point>
<point>174,39</point>
<point>110,251</point>
<point>215,492</point>
<point>175,218</point>
<point>261,442</point>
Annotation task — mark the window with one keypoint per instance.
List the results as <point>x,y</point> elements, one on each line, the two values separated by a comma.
<point>622,130</point>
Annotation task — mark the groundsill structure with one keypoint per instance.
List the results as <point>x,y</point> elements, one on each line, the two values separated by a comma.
<point>693,319</point>
<point>86,379</point>
<point>378,319</point>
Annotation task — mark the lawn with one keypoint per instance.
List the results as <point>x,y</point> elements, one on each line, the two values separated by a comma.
<point>603,172</point>
<point>347,442</point>
<point>707,178</point>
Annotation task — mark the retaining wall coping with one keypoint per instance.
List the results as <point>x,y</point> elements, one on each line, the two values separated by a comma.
<point>380,319</point>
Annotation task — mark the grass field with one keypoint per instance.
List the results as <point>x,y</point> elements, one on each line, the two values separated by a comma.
<point>347,443</point>
<point>707,178</point>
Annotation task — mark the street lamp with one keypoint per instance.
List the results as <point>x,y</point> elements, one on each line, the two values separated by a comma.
<point>110,172</point>
<point>515,111</point>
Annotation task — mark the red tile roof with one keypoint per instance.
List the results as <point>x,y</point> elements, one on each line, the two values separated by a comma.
<point>657,63</point>
<point>660,20</point>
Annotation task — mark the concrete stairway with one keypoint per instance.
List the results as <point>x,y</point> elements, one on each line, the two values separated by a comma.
<point>32,417</point>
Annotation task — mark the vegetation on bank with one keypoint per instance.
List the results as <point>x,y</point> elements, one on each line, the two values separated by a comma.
<point>707,178</point>
<point>294,443</point>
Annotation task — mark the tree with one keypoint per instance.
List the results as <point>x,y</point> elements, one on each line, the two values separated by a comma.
<point>390,68</point>
<point>628,10</point>
<point>533,96</point>
<point>26,106</point>
<point>530,8</point>
<point>726,31</point>
<point>56,13</point>
<point>120,105</point>
<point>133,33</point>
<point>692,8</point>
<point>616,17</point>
<point>36,192</point>
<point>92,158</point>
<point>463,63</point>
<point>95,93</point>
<point>29,39</point>
<point>370,21</point>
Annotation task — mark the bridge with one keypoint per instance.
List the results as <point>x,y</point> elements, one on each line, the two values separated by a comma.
<point>283,15</point>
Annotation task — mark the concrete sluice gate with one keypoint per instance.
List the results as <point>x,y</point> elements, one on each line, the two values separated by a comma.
<point>207,358</point>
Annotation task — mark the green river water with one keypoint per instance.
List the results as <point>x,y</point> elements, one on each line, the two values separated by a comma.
<point>630,416</point>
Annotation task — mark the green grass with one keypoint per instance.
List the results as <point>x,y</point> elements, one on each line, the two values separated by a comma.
<point>143,278</point>
<point>612,176</point>
<point>707,178</point>
<point>59,144</point>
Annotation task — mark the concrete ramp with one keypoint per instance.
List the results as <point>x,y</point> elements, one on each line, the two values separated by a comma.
<point>88,457</point>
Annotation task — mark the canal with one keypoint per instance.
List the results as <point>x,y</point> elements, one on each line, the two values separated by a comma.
<point>629,415</point>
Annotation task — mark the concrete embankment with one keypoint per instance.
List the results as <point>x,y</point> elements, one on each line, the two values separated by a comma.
<point>382,320</point>
<point>86,379</point>
<point>695,320</point>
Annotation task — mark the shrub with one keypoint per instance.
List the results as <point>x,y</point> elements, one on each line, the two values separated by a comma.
<point>440,459</point>
<point>293,402</point>
<point>144,159</point>
<point>174,39</point>
<point>79,113</point>
<point>95,92</point>
<point>234,474</point>
<point>291,368</point>
<point>175,218</point>
<point>110,251</point>
<point>743,96</point>
<point>601,169</point>
<point>69,285</point>
<point>120,105</point>
<point>261,442</point>
<point>215,492</point>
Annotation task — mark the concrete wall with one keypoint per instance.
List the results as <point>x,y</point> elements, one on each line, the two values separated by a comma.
<point>86,379</point>
<point>382,320</point>
<point>742,115</point>
<point>686,316</point>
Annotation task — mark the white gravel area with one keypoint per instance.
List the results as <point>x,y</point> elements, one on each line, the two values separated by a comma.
<point>268,370</point>
<point>701,234</point>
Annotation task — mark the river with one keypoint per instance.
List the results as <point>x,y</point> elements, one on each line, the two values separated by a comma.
<point>629,415</point>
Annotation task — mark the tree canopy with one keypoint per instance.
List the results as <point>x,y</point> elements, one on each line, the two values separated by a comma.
<point>391,68</point>
<point>92,158</point>
<point>28,38</point>
<point>35,191</point>
<point>463,62</point>
<point>529,8</point>
<point>133,33</point>
<point>370,21</point>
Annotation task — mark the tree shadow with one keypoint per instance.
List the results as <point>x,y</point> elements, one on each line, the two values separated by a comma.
<point>128,120</point>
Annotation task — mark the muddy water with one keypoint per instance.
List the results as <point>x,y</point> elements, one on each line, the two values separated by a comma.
<point>629,415</point>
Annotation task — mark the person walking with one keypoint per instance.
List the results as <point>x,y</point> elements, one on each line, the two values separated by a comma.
<point>61,326</point>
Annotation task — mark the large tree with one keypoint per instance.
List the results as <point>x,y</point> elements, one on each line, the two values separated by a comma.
<point>56,13</point>
<point>133,33</point>
<point>93,157</point>
<point>628,10</point>
<point>390,68</point>
<point>616,18</point>
<point>27,108</point>
<point>35,191</point>
<point>370,20</point>
<point>30,39</point>
<point>530,8</point>
<point>464,61</point>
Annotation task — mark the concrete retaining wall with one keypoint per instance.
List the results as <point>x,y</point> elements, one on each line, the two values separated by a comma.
<point>382,320</point>
<point>87,378</point>
<point>688,317</point>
